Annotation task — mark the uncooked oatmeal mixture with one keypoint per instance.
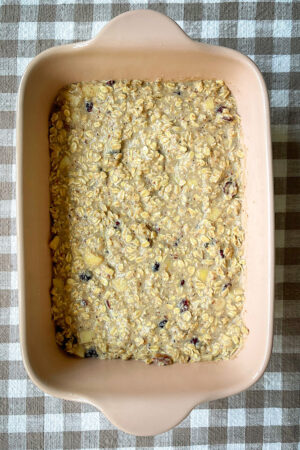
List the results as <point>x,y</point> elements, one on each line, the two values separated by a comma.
<point>147,241</point>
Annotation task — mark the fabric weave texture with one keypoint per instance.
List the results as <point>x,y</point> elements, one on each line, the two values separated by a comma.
<point>267,415</point>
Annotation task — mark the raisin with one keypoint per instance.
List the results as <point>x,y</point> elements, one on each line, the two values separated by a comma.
<point>162,323</point>
<point>222,254</point>
<point>114,152</point>
<point>206,245</point>
<point>162,360</point>
<point>177,92</point>
<point>91,353</point>
<point>58,329</point>
<point>182,282</point>
<point>116,225</point>
<point>155,267</point>
<point>176,243</point>
<point>108,304</point>
<point>184,305</point>
<point>86,276</point>
<point>84,302</point>
<point>110,82</point>
<point>229,119</point>
<point>194,340</point>
<point>89,106</point>
<point>227,285</point>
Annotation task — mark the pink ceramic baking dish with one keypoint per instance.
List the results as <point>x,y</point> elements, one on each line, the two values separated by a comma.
<point>138,398</point>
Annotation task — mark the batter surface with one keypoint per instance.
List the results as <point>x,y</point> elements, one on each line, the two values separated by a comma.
<point>146,196</point>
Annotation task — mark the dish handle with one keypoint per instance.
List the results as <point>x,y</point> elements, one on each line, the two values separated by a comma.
<point>144,416</point>
<point>142,29</point>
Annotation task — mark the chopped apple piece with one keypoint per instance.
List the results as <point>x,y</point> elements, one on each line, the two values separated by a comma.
<point>202,274</point>
<point>54,243</point>
<point>85,336</point>
<point>91,259</point>
<point>214,214</point>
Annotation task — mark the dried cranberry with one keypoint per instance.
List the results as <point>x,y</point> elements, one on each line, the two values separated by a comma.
<point>116,225</point>
<point>230,188</point>
<point>110,82</point>
<point>220,109</point>
<point>226,187</point>
<point>184,305</point>
<point>229,119</point>
<point>155,267</point>
<point>91,353</point>
<point>194,340</point>
<point>162,323</point>
<point>222,254</point>
<point>162,360</point>
<point>182,282</point>
<point>89,106</point>
<point>108,304</point>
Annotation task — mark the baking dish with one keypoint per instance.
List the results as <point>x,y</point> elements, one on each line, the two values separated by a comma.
<point>140,399</point>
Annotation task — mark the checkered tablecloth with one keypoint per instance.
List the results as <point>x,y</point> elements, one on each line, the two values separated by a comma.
<point>267,415</point>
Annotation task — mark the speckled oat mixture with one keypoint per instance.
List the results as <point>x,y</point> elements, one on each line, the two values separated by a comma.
<point>146,192</point>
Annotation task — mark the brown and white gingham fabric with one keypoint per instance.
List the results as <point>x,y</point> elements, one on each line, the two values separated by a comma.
<point>267,415</point>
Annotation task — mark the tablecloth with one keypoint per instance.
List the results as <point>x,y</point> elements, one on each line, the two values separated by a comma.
<point>265,416</point>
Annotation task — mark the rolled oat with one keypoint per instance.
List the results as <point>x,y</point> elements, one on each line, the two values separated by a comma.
<point>146,197</point>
